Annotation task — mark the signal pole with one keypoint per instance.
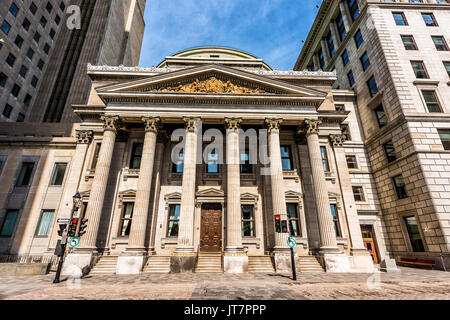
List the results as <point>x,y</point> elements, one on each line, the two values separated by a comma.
<point>63,251</point>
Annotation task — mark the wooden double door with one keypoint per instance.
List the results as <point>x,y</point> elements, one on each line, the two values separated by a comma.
<point>211,228</point>
<point>369,242</point>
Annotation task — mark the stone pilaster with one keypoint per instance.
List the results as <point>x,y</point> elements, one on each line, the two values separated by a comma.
<point>326,52</point>
<point>360,257</point>
<point>345,11</point>
<point>333,260</point>
<point>131,261</point>
<point>235,261</point>
<point>183,258</point>
<point>82,257</point>
<point>282,258</point>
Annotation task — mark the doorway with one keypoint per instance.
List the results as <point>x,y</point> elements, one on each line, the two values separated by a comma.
<point>369,241</point>
<point>211,228</point>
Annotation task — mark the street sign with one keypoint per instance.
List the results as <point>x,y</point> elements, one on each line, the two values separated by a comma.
<point>63,220</point>
<point>74,242</point>
<point>291,242</point>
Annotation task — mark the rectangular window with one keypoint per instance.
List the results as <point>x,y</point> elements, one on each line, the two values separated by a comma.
<point>213,163</point>
<point>414,234</point>
<point>43,22</point>
<point>34,81</point>
<point>7,110</point>
<point>341,27</point>
<point>354,9</point>
<point>58,174</point>
<point>372,85</point>
<point>125,220</point>
<point>399,18</point>
<point>9,223</point>
<point>286,159</point>
<point>136,155</point>
<point>174,220</point>
<point>446,66</point>
<point>246,167</point>
<point>37,37</point>
<point>389,151</point>
<point>345,58</point>
<point>3,79</point>
<point>365,62</point>
<point>429,19</point>
<point>5,27</point>
<point>400,187</point>
<point>431,101</point>
<point>294,225</point>
<point>381,116</point>
<point>345,129</point>
<point>409,43</point>
<point>351,162</point>
<point>19,41</point>
<point>331,48</point>
<point>335,216</point>
<point>25,173</point>
<point>248,221</point>
<point>33,8</point>
<point>351,79</point>
<point>11,59</point>
<point>23,71</point>
<point>324,155</point>
<point>27,99</point>
<point>440,43</point>
<point>15,90</point>
<point>20,117</point>
<point>321,60</point>
<point>95,158</point>
<point>339,107</point>
<point>2,163</point>
<point>178,166</point>
<point>14,9</point>
<point>26,24</point>
<point>419,69</point>
<point>358,194</point>
<point>358,38</point>
<point>45,223</point>
<point>445,138</point>
<point>30,54</point>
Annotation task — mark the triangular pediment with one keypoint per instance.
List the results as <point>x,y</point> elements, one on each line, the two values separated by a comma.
<point>210,79</point>
<point>211,192</point>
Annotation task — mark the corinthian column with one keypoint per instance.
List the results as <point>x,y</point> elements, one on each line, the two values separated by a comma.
<point>235,261</point>
<point>361,257</point>
<point>332,259</point>
<point>184,256</point>
<point>131,261</point>
<point>98,189</point>
<point>81,259</point>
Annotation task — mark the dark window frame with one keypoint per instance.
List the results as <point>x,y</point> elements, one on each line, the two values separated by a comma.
<point>251,220</point>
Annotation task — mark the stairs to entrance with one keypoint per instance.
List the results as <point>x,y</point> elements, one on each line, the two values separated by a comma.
<point>209,262</point>
<point>157,264</point>
<point>106,265</point>
<point>260,264</point>
<point>308,264</point>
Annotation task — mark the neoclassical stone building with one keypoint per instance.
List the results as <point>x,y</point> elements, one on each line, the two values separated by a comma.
<point>159,198</point>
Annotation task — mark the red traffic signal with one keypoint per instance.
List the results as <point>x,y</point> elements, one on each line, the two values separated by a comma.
<point>277,224</point>
<point>277,218</point>
<point>74,221</point>
<point>73,227</point>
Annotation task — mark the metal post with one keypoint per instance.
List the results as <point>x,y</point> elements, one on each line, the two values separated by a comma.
<point>61,259</point>
<point>294,272</point>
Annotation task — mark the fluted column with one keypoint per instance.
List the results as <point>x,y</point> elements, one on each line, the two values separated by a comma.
<point>316,62</point>
<point>277,179</point>
<point>326,227</point>
<point>186,225</point>
<point>234,228</point>
<point>141,208</point>
<point>345,12</point>
<point>98,189</point>
<point>326,52</point>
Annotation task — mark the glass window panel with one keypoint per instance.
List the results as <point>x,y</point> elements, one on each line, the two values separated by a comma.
<point>9,223</point>
<point>414,234</point>
<point>58,174</point>
<point>174,212</point>
<point>45,223</point>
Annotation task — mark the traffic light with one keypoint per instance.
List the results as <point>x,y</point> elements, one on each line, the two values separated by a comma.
<point>284,228</point>
<point>73,227</point>
<point>278,224</point>
<point>62,227</point>
<point>83,225</point>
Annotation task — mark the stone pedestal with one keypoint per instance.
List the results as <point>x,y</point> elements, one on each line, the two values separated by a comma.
<point>182,262</point>
<point>283,261</point>
<point>389,265</point>
<point>77,263</point>
<point>235,263</point>
<point>336,262</point>
<point>130,263</point>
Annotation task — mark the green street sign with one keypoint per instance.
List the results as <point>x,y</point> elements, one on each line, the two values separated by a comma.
<point>74,242</point>
<point>291,242</point>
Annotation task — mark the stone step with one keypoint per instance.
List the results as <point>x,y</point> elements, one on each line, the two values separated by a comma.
<point>106,265</point>
<point>260,264</point>
<point>157,264</point>
<point>308,264</point>
<point>209,262</point>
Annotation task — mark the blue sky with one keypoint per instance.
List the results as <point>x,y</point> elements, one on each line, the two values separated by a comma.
<point>270,29</point>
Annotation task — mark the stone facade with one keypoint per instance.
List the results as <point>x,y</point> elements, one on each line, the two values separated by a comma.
<point>421,158</point>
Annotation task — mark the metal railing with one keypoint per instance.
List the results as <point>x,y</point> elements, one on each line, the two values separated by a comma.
<point>22,259</point>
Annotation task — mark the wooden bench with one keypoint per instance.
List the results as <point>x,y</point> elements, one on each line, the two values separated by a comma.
<point>418,262</point>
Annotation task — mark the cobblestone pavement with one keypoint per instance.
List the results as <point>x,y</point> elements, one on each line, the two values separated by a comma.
<point>413,284</point>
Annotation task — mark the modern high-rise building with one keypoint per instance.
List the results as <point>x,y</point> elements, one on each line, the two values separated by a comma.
<point>46,46</point>
<point>394,55</point>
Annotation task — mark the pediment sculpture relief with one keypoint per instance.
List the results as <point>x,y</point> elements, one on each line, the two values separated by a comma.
<point>211,85</point>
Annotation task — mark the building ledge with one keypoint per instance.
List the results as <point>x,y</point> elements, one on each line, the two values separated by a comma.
<point>428,82</point>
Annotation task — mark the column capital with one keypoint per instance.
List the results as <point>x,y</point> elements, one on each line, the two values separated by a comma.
<point>152,124</point>
<point>233,123</point>
<point>311,127</point>
<point>190,123</point>
<point>110,123</point>
<point>84,136</point>
<point>338,140</point>
<point>273,124</point>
